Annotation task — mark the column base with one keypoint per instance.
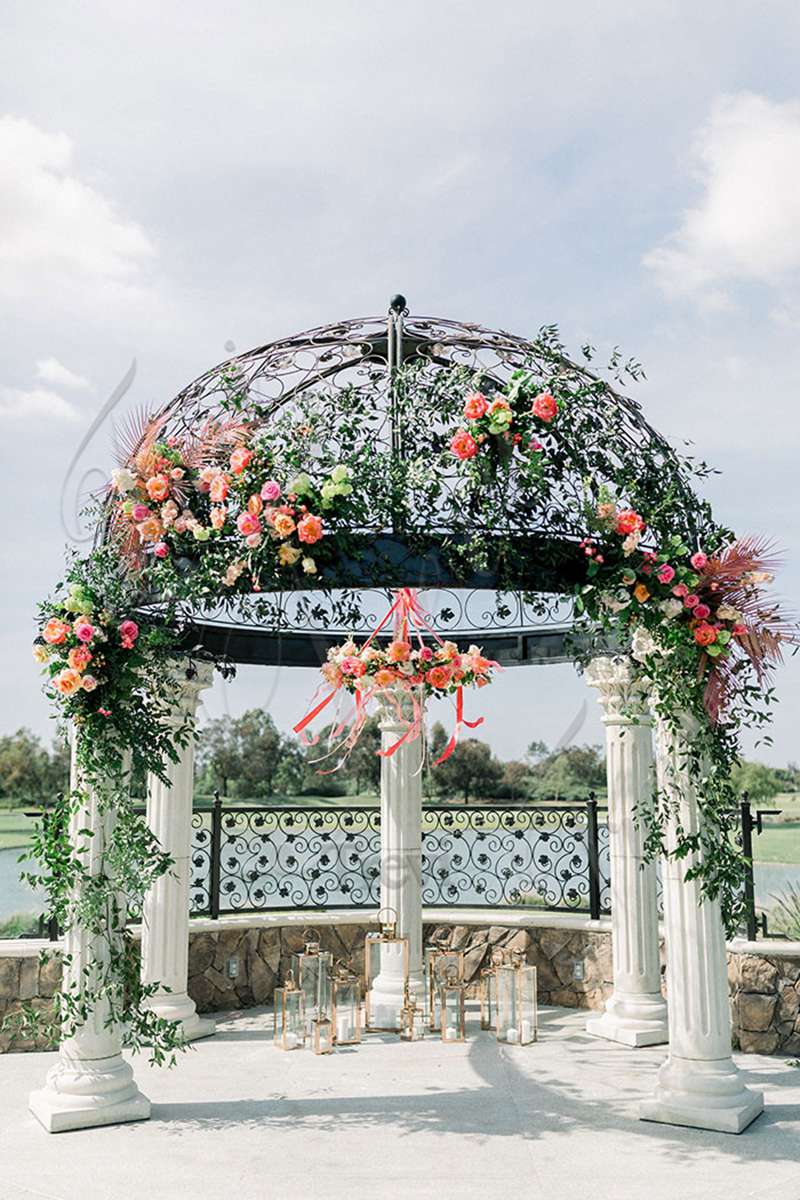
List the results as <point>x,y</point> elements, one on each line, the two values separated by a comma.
<point>632,1021</point>
<point>181,1008</point>
<point>84,1093</point>
<point>706,1094</point>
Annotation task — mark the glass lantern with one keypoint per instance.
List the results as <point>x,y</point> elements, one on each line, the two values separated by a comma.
<point>322,1034</point>
<point>488,989</point>
<point>312,971</point>
<point>517,1009</point>
<point>385,953</point>
<point>453,1007</point>
<point>346,1008</point>
<point>412,1019</point>
<point>441,962</point>
<point>290,1017</point>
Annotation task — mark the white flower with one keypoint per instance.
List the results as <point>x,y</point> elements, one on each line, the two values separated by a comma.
<point>123,480</point>
<point>309,566</point>
<point>726,612</point>
<point>631,543</point>
<point>615,601</point>
<point>671,608</point>
<point>643,644</point>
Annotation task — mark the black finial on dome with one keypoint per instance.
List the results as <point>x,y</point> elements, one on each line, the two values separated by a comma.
<point>398,304</point>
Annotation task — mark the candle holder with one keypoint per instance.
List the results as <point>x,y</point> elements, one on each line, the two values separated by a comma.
<point>453,1006</point>
<point>439,962</point>
<point>381,949</point>
<point>312,970</point>
<point>322,1034</point>
<point>517,1009</point>
<point>346,990</point>
<point>289,1031</point>
<point>488,990</point>
<point>412,1019</point>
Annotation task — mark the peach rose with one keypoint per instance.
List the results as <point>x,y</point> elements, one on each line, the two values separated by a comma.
<point>248,524</point>
<point>169,513</point>
<point>217,516</point>
<point>79,658</point>
<point>255,505</point>
<point>463,445</point>
<point>398,651</point>
<point>438,677</point>
<point>218,491</point>
<point>310,529</point>
<point>629,521</point>
<point>385,677</point>
<point>89,683</point>
<point>150,530</point>
<point>157,487</point>
<point>67,681</point>
<point>283,524</point>
<point>55,631</point>
<point>240,459</point>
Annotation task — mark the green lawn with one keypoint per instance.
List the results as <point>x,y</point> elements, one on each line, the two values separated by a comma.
<point>15,829</point>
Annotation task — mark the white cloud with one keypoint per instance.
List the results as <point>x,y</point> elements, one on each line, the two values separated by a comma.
<point>54,228</point>
<point>50,370</point>
<point>34,406</point>
<point>745,226</point>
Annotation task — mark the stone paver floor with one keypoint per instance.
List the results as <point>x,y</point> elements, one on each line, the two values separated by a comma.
<point>238,1118</point>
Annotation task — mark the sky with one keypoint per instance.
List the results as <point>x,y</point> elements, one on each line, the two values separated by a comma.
<point>180,180</point>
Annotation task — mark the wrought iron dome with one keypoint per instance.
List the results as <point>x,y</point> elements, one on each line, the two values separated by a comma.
<point>519,612</point>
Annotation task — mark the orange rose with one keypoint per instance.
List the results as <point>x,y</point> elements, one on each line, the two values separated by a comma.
<point>79,658</point>
<point>255,504</point>
<point>385,677</point>
<point>157,487</point>
<point>55,631</point>
<point>67,681</point>
<point>150,530</point>
<point>283,524</point>
<point>310,529</point>
<point>641,593</point>
<point>438,677</point>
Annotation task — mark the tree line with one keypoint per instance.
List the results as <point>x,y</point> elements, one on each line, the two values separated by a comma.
<point>247,757</point>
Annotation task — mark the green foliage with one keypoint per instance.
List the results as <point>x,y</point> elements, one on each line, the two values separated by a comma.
<point>757,779</point>
<point>29,773</point>
<point>471,772</point>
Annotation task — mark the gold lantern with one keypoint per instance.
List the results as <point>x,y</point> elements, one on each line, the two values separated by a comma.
<point>346,990</point>
<point>517,1013</point>
<point>488,988</point>
<point>412,1019</point>
<point>453,1006</point>
<point>312,971</point>
<point>290,1018</point>
<point>385,950</point>
<point>441,962</point>
<point>322,1034</point>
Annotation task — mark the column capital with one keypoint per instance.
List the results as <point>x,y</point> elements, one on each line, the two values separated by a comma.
<point>623,690</point>
<point>191,677</point>
<point>394,715</point>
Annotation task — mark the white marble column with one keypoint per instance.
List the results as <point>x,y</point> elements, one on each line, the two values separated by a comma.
<point>91,1084</point>
<point>165,918</point>
<point>635,1013</point>
<point>699,1084</point>
<point>401,865</point>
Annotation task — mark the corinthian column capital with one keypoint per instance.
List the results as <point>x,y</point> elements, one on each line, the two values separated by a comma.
<point>623,691</point>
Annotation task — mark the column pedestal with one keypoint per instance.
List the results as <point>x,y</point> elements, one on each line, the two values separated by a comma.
<point>91,1084</point>
<point>401,867</point>
<point>699,1084</point>
<point>635,1013</point>
<point>165,919</point>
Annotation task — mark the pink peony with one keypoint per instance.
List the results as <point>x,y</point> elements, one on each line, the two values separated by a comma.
<point>161,550</point>
<point>475,406</point>
<point>699,560</point>
<point>665,574</point>
<point>463,445</point>
<point>240,459</point>
<point>398,651</point>
<point>309,529</point>
<point>545,407</point>
<point>271,491</point>
<point>248,524</point>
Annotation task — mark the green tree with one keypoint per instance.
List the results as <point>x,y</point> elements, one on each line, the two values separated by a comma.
<point>471,771</point>
<point>757,779</point>
<point>569,774</point>
<point>29,773</point>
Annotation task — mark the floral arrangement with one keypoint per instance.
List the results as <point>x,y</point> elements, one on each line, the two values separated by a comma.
<point>505,421</point>
<point>255,517</point>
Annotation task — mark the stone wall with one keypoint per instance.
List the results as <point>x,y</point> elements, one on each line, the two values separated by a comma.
<point>233,965</point>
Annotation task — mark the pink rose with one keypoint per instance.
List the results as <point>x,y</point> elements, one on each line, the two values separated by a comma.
<point>253,540</point>
<point>665,574</point>
<point>352,666</point>
<point>701,611</point>
<point>691,601</point>
<point>680,590</point>
<point>463,445</point>
<point>89,683</point>
<point>536,446</point>
<point>271,491</point>
<point>161,550</point>
<point>475,406</point>
<point>426,654</point>
<point>248,524</point>
<point>545,407</point>
<point>84,632</point>
<point>128,632</point>
<point>699,560</point>
<point>140,512</point>
<point>309,529</point>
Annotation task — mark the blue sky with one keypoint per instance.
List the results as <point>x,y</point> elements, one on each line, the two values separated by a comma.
<point>172,181</point>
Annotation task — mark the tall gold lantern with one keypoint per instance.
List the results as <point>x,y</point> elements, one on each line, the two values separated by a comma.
<point>346,991</point>
<point>488,990</point>
<point>382,947</point>
<point>441,963</point>
<point>312,971</point>
<point>290,1018</point>
<point>453,1006</point>
<point>517,1009</point>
